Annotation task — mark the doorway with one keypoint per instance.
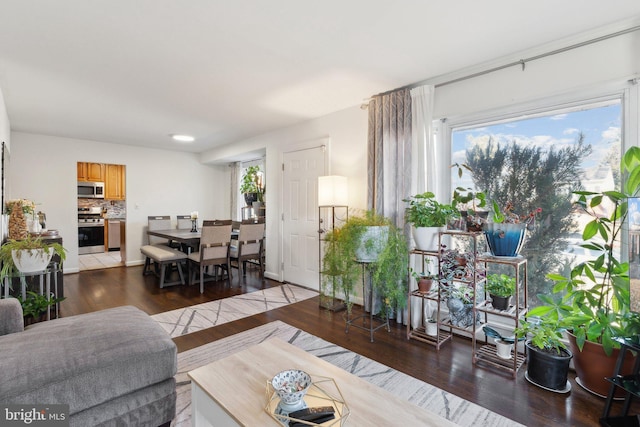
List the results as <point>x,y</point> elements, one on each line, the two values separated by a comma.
<point>301,169</point>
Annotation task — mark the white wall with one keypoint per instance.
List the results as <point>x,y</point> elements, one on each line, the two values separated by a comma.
<point>615,59</point>
<point>593,66</point>
<point>5,136</point>
<point>347,132</point>
<point>158,182</point>
<point>4,121</point>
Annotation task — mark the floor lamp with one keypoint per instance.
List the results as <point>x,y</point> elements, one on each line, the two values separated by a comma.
<point>332,196</point>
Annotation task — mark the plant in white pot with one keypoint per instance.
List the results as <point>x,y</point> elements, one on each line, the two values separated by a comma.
<point>29,255</point>
<point>428,217</point>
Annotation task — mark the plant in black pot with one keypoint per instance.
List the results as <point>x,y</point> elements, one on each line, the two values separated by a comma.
<point>593,301</point>
<point>547,356</point>
<point>428,217</point>
<point>252,186</point>
<point>501,288</point>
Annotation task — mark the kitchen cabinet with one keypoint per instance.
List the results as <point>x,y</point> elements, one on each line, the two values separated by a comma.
<point>115,182</point>
<point>89,171</point>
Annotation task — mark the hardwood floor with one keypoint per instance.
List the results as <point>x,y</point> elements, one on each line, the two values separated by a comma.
<point>450,368</point>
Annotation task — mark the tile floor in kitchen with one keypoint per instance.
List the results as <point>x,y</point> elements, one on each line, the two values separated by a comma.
<point>100,260</point>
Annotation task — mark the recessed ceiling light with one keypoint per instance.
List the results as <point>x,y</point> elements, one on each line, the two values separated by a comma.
<point>183,138</point>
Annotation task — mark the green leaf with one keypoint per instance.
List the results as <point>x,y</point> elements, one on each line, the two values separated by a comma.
<point>590,230</point>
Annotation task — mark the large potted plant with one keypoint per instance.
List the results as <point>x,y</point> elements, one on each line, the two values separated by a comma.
<point>547,356</point>
<point>386,253</point>
<point>593,300</point>
<point>428,217</point>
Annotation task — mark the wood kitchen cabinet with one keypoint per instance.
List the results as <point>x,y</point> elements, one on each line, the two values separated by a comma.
<point>89,171</point>
<point>115,182</point>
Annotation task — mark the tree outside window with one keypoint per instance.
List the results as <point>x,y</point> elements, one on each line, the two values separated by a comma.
<point>537,162</point>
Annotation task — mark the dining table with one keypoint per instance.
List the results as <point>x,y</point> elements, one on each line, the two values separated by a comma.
<point>186,237</point>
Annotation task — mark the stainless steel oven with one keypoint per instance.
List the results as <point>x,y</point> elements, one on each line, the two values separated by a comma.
<point>90,231</point>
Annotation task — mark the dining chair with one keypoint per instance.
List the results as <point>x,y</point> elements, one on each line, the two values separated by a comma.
<point>249,245</point>
<point>158,222</point>
<point>183,223</point>
<point>213,251</point>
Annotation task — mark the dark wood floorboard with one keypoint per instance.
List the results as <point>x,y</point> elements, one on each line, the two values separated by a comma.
<point>450,368</point>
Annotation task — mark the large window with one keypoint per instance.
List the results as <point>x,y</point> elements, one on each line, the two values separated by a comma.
<point>537,161</point>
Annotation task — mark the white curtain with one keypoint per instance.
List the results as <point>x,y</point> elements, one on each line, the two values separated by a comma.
<point>423,171</point>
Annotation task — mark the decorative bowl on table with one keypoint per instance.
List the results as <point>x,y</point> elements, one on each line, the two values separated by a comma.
<point>291,386</point>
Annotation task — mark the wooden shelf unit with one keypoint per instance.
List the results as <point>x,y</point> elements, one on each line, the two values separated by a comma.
<point>484,351</point>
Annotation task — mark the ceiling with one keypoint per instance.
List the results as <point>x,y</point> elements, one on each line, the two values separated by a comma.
<point>133,72</point>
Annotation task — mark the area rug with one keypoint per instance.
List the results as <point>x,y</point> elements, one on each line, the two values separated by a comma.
<point>206,315</point>
<point>426,396</point>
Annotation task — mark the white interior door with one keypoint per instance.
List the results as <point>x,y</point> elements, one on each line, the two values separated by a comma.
<point>300,215</point>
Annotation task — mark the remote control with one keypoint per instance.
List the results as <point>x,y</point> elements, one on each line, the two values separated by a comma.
<point>314,414</point>
<point>318,421</point>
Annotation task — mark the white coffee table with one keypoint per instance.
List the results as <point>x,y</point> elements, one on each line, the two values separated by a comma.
<point>232,391</point>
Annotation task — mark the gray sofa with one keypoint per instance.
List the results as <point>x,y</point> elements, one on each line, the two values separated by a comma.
<point>113,367</point>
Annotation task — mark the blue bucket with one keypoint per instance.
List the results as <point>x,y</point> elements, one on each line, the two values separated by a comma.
<point>504,239</point>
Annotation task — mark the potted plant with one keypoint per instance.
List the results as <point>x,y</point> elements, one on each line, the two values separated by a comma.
<point>500,288</point>
<point>592,302</point>
<point>505,230</point>
<point>428,217</point>
<point>424,280</point>
<point>468,201</point>
<point>252,186</point>
<point>457,273</point>
<point>547,356</point>
<point>386,253</point>
<point>35,306</point>
<point>28,255</point>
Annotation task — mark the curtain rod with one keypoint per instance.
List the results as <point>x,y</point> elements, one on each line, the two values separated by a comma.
<point>521,62</point>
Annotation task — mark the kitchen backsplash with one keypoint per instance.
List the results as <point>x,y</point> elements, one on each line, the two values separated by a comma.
<point>114,208</point>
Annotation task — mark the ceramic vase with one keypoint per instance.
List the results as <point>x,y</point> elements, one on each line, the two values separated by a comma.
<point>504,240</point>
<point>461,314</point>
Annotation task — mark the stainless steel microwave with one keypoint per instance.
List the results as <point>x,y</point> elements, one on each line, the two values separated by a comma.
<point>90,190</point>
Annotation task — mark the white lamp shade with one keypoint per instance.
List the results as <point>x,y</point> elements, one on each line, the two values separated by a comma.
<point>332,191</point>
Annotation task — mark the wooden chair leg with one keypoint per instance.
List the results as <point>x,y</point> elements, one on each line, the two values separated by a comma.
<point>147,266</point>
<point>162,273</point>
<point>201,279</point>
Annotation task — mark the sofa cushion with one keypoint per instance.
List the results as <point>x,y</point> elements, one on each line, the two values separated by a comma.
<point>85,360</point>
